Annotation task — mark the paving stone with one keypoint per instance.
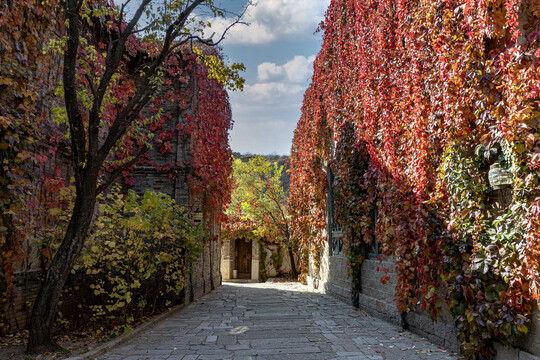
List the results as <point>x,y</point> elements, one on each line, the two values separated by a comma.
<point>274,321</point>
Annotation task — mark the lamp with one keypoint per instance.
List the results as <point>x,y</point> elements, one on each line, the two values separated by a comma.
<point>198,216</point>
<point>499,177</point>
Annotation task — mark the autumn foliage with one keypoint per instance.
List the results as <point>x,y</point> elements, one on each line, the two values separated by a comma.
<point>410,104</point>
<point>36,194</point>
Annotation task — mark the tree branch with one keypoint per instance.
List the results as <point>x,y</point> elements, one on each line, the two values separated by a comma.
<point>114,58</point>
<point>116,172</point>
<point>236,22</point>
<point>143,94</point>
<point>91,84</point>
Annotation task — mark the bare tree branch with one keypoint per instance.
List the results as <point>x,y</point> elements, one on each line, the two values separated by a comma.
<point>91,84</point>
<point>236,22</point>
<point>113,61</point>
<point>118,171</point>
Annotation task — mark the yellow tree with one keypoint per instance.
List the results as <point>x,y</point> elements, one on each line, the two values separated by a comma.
<point>260,197</point>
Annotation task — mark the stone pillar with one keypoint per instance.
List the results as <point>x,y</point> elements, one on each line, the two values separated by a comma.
<point>227,259</point>
<point>255,258</point>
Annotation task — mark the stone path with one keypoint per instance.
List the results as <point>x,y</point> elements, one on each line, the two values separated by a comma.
<point>274,321</point>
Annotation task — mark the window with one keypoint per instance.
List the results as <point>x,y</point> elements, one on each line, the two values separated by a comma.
<point>335,230</point>
<point>373,250</point>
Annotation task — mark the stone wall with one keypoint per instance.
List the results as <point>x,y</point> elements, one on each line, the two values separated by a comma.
<point>377,299</point>
<point>25,288</point>
<point>332,277</point>
<point>205,273</point>
<point>227,258</point>
<point>276,260</point>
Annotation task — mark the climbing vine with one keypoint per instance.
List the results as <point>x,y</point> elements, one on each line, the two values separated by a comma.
<point>419,100</point>
<point>37,191</point>
<point>23,74</point>
<point>212,155</point>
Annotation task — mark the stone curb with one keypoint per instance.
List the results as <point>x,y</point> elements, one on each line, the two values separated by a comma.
<point>102,349</point>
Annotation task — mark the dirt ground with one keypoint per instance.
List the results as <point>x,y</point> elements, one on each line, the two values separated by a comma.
<point>14,346</point>
<point>17,351</point>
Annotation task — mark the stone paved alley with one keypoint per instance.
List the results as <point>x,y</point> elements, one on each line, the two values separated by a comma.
<point>274,321</point>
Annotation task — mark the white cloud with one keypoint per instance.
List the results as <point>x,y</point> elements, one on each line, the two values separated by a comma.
<point>271,92</point>
<point>268,71</point>
<point>262,99</point>
<point>297,70</point>
<point>269,109</point>
<point>275,20</point>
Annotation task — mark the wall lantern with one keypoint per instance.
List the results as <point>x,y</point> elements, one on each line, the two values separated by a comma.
<point>198,216</point>
<point>499,177</point>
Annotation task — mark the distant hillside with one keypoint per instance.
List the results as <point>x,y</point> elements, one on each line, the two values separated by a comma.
<point>282,160</point>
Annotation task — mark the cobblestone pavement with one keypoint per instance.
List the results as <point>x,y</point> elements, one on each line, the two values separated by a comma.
<point>274,321</point>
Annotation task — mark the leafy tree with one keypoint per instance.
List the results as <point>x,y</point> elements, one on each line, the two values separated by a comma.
<point>281,160</point>
<point>137,239</point>
<point>106,104</point>
<point>259,198</point>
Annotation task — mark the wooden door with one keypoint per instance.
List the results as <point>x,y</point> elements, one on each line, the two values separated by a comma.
<point>243,258</point>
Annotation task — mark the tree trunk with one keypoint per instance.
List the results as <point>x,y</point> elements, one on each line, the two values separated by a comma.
<point>293,265</point>
<point>44,311</point>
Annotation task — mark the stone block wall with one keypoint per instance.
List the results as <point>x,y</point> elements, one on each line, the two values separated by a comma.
<point>25,288</point>
<point>227,258</point>
<point>333,276</point>
<point>377,299</point>
<point>205,273</point>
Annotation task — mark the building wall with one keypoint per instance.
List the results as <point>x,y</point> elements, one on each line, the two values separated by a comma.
<point>206,273</point>
<point>332,277</point>
<point>227,259</point>
<point>25,288</point>
<point>377,299</point>
<point>274,264</point>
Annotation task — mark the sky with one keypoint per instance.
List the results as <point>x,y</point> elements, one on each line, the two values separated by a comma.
<point>278,49</point>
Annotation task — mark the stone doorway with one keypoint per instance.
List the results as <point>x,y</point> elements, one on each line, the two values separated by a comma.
<point>243,258</point>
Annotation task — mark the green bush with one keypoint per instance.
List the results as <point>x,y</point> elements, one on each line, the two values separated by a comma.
<point>138,256</point>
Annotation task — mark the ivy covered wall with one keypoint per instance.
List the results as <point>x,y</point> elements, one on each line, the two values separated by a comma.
<point>411,105</point>
<point>187,125</point>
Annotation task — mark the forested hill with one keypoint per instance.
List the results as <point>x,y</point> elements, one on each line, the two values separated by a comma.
<point>282,160</point>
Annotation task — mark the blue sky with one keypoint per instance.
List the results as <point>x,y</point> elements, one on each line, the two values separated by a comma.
<point>278,49</point>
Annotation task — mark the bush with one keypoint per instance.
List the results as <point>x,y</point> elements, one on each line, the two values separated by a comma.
<point>137,258</point>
